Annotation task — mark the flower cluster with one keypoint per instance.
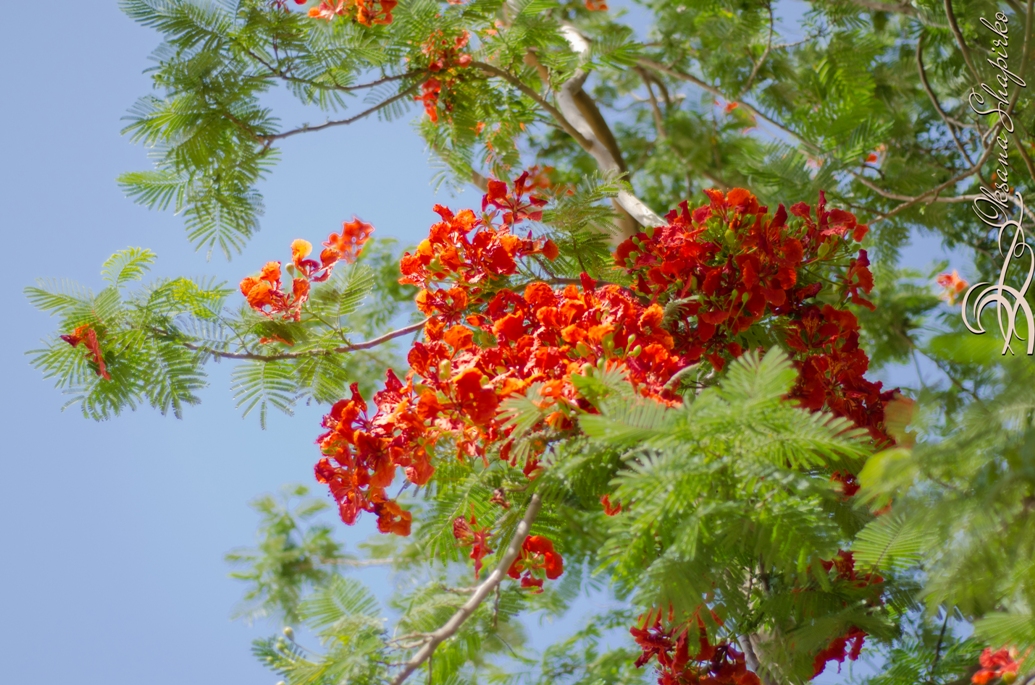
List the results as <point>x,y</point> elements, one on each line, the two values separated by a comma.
<point>363,453</point>
<point>445,56</point>
<point>718,664</point>
<point>1001,663</point>
<point>850,644</point>
<point>537,559</point>
<point>365,12</point>
<point>952,286</point>
<point>264,293</point>
<point>730,267</point>
<point>88,336</point>
<point>470,535</point>
<point>703,285</point>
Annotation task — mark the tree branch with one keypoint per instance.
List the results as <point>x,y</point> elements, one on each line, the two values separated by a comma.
<point>893,7</point>
<point>934,100</point>
<point>575,125</point>
<point>991,134</point>
<point>268,140</point>
<point>309,353</point>
<point>689,78</point>
<point>483,591</point>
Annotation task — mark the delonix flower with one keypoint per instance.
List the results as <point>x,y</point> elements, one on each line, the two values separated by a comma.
<point>365,12</point>
<point>610,509</point>
<point>700,284</point>
<point>952,286</point>
<point>850,644</point>
<point>445,54</point>
<point>718,664</point>
<point>537,559</point>
<point>263,292</point>
<point>469,535</point>
<point>1001,663</point>
<point>844,646</point>
<point>88,336</point>
<point>730,265</point>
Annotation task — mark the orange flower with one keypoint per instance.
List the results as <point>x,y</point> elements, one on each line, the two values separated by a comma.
<point>952,286</point>
<point>88,336</point>
<point>300,249</point>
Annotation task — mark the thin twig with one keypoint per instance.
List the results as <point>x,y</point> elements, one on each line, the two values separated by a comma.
<point>308,353</point>
<point>690,78</point>
<point>993,132</point>
<point>964,49</point>
<point>268,140</point>
<point>934,99</point>
<point>765,54</point>
<point>358,563</point>
<point>480,595</point>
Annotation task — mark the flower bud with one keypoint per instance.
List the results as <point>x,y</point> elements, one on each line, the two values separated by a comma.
<point>289,632</point>
<point>445,368</point>
<point>636,351</point>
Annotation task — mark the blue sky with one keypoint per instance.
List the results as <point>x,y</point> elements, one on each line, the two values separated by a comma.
<point>111,570</point>
<point>114,533</point>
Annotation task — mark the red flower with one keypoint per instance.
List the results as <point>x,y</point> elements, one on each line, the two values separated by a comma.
<point>476,538</point>
<point>88,336</point>
<point>537,555</point>
<point>838,650</point>
<point>1001,663</point>
<point>952,286</point>
<point>610,509</point>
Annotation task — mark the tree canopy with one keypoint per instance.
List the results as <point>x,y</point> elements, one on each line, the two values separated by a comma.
<point>643,365</point>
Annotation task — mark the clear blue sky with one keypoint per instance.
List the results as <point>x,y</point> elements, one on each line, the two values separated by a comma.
<point>111,569</point>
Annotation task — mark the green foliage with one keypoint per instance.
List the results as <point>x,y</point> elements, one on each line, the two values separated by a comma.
<point>294,554</point>
<point>156,339</point>
<point>862,100</point>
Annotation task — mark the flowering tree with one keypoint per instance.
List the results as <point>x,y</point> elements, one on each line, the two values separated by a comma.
<point>642,363</point>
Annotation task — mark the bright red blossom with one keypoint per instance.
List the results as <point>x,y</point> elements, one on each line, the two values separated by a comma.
<point>718,664</point>
<point>699,284</point>
<point>537,558</point>
<point>264,293</point>
<point>952,286</point>
<point>1001,663</point>
<point>469,535</point>
<point>88,336</point>
<point>445,55</point>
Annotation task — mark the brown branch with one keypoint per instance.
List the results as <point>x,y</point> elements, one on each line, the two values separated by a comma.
<point>958,34</point>
<point>309,353</point>
<point>575,125</point>
<point>991,134</point>
<point>765,54</point>
<point>358,563</point>
<point>878,6</point>
<point>539,100</point>
<point>934,100</point>
<point>895,196</point>
<point>483,591</point>
<point>268,140</point>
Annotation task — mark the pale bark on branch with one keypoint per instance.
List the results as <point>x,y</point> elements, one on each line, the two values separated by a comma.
<point>481,593</point>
